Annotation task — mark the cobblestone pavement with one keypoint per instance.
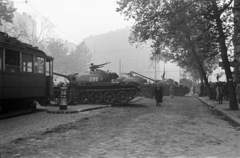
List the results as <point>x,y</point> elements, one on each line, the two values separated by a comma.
<point>22,126</point>
<point>181,127</point>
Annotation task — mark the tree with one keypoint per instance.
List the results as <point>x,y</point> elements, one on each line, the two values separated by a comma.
<point>6,12</point>
<point>57,49</point>
<point>68,62</point>
<point>192,31</point>
<point>79,59</point>
<point>26,31</point>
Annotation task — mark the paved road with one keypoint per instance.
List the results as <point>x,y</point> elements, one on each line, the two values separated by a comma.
<point>182,127</point>
<point>22,126</point>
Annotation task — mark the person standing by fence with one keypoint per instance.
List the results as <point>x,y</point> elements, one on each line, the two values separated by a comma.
<point>238,92</point>
<point>219,92</point>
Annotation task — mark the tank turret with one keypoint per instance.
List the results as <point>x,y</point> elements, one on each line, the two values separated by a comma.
<point>99,86</point>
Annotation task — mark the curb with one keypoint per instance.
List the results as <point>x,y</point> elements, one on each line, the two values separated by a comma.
<point>221,112</point>
<point>75,111</point>
<point>95,108</point>
<point>62,112</point>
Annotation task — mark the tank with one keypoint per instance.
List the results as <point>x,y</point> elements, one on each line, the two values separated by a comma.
<point>145,86</point>
<point>100,87</point>
<point>146,89</point>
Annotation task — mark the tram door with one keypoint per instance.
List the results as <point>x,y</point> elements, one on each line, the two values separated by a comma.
<point>49,76</point>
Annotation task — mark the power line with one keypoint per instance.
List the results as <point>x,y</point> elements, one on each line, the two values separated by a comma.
<point>49,21</point>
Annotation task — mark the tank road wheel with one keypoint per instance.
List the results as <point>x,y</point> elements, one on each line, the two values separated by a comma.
<point>122,97</point>
<point>96,97</point>
<point>109,97</point>
<point>132,93</point>
<point>83,97</point>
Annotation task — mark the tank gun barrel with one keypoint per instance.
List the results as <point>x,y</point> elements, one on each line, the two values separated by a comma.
<point>59,74</point>
<point>93,67</point>
<point>69,76</point>
<point>104,64</point>
<point>132,72</point>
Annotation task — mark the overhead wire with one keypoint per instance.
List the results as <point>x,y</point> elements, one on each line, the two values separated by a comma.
<point>49,21</point>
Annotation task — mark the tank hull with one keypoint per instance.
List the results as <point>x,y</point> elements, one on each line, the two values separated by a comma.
<point>107,93</point>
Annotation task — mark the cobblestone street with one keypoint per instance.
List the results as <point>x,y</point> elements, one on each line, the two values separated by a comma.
<point>181,127</point>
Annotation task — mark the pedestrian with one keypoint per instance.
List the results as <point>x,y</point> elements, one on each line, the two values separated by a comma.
<point>238,92</point>
<point>219,92</point>
<point>158,93</point>
<point>171,90</point>
<point>73,91</point>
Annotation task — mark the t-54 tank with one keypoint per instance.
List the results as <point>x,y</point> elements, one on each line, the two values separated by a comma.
<point>135,79</point>
<point>100,87</point>
<point>147,89</point>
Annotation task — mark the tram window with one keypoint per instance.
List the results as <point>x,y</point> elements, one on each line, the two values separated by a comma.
<point>39,65</point>
<point>1,53</point>
<point>12,60</point>
<point>51,68</point>
<point>27,62</point>
<point>47,69</point>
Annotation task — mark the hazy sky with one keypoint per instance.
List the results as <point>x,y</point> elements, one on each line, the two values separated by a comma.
<point>76,19</point>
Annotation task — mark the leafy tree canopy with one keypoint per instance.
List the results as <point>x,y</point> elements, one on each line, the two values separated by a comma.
<point>57,49</point>
<point>79,59</point>
<point>6,12</point>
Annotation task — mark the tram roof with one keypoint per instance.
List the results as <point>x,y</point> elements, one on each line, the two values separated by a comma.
<point>13,43</point>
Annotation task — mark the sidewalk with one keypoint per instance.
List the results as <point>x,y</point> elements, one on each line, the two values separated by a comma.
<point>78,108</point>
<point>233,115</point>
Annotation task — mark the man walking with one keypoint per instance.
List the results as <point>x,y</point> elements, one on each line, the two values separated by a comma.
<point>73,90</point>
<point>171,90</point>
<point>158,92</point>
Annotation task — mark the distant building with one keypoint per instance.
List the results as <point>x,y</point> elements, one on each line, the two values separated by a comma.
<point>114,47</point>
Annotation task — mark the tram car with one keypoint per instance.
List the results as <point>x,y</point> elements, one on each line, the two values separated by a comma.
<point>26,75</point>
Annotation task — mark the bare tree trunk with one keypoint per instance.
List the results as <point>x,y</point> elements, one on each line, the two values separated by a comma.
<point>233,105</point>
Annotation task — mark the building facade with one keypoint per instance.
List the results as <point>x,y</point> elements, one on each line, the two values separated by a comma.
<point>114,47</point>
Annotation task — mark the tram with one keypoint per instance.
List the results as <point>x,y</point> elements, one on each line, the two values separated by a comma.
<point>26,75</point>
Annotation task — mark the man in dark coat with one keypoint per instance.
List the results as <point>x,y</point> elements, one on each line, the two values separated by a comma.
<point>158,92</point>
<point>73,91</point>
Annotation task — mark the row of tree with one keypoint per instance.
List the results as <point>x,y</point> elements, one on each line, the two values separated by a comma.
<point>65,60</point>
<point>195,34</point>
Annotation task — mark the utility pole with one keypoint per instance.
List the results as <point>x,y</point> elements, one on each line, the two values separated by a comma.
<point>94,54</point>
<point>120,66</point>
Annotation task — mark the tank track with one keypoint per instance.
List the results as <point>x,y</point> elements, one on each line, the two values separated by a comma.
<point>99,96</point>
